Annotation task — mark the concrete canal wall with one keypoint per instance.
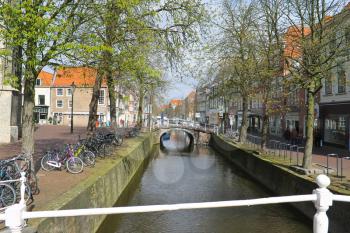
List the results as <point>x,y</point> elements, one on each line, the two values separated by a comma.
<point>282,182</point>
<point>101,190</point>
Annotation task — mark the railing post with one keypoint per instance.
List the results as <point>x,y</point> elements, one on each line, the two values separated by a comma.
<point>23,180</point>
<point>14,218</point>
<point>322,203</point>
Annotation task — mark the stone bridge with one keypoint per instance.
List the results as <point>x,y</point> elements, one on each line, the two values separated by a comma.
<point>196,135</point>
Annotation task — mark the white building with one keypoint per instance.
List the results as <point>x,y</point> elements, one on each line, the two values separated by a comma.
<point>42,111</point>
<point>10,104</point>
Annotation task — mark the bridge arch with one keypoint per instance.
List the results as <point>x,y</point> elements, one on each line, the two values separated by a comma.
<point>189,133</point>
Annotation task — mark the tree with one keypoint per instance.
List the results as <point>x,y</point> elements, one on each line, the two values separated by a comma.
<point>142,73</point>
<point>171,24</point>
<point>42,31</point>
<point>271,52</point>
<point>239,62</point>
<point>319,41</point>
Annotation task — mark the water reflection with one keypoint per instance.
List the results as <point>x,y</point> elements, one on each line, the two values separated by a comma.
<point>199,176</point>
<point>176,140</point>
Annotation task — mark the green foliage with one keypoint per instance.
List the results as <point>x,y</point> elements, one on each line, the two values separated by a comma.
<point>41,29</point>
<point>12,80</point>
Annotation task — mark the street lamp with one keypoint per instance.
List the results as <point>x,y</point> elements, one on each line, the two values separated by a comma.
<point>73,86</point>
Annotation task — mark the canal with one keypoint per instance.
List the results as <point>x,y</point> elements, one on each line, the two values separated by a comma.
<point>176,176</point>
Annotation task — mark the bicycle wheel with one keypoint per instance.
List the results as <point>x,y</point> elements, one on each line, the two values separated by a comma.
<point>44,165</point>
<point>32,180</point>
<point>74,165</point>
<point>88,158</point>
<point>7,195</point>
<point>28,195</point>
<point>101,151</point>
<point>118,141</point>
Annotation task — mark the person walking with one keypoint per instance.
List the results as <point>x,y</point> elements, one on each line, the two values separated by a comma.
<point>287,134</point>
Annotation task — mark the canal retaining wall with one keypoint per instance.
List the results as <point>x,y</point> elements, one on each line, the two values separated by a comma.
<point>283,182</point>
<point>100,190</point>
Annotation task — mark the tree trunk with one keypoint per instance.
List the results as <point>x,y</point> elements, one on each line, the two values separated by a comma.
<point>140,108</point>
<point>244,126</point>
<point>28,116</point>
<point>112,99</point>
<point>307,160</point>
<point>265,129</point>
<point>17,71</point>
<point>91,127</point>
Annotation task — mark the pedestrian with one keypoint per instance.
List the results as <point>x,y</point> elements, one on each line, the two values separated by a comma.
<point>287,134</point>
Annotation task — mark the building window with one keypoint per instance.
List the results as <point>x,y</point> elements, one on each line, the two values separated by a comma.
<point>69,92</point>
<point>41,99</point>
<point>59,103</point>
<point>59,91</point>
<point>38,82</point>
<point>341,82</point>
<point>101,98</point>
<point>328,86</point>
<point>335,129</point>
<point>69,103</point>
<point>42,116</point>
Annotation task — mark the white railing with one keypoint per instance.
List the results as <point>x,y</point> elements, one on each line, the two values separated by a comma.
<point>23,180</point>
<point>16,215</point>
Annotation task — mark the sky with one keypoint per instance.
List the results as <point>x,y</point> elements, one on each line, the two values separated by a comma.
<point>197,61</point>
<point>178,88</point>
<point>180,91</point>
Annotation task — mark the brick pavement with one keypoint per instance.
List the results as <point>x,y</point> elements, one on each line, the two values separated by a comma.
<point>55,183</point>
<point>46,137</point>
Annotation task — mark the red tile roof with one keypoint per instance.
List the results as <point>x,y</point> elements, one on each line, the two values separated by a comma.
<point>175,102</point>
<point>292,41</point>
<point>46,78</point>
<point>81,76</point>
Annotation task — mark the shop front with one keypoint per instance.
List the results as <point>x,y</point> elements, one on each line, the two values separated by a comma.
<point>41,114</point>
<point>334,119</point>
<point>255,123</point>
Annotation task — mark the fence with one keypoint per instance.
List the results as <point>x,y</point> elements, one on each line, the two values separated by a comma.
<point>205,128</point>
<point>293,151</point>
<point>23,180</point>
<point>16,215</point>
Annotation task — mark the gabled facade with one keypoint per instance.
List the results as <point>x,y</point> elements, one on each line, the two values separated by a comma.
<point>53,98</point>
<point>42,110</point>
<point>334,106</point>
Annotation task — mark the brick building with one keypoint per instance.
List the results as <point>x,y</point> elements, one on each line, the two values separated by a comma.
<point>53,98</point>
<point>189,103</point>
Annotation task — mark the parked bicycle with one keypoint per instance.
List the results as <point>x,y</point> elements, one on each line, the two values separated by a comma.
<point>56,160</point>
<point>87,156</point>
<point>11,169</point>
<point>84,152</point>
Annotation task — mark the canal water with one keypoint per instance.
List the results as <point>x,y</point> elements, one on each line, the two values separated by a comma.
<point>175,176</point>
